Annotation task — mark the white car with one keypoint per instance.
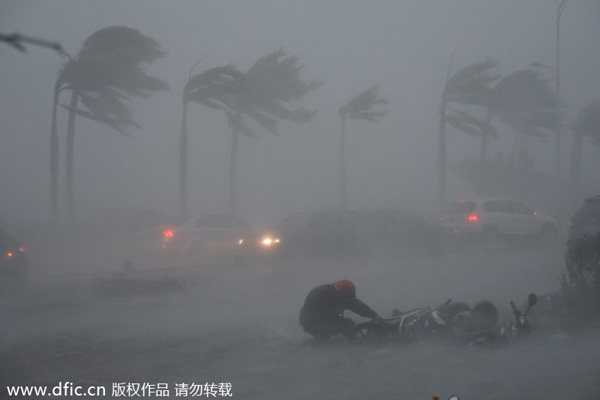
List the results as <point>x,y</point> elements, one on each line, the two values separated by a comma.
<point>496,220</point>
<point>213,236</point>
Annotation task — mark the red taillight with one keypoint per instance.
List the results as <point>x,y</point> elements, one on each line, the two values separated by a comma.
<point>442,219</point>
<point>22,249</point>
<point>168,233</point>
<point>471,218</point>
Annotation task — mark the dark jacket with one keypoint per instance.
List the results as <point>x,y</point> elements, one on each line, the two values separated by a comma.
<point>324,302</point>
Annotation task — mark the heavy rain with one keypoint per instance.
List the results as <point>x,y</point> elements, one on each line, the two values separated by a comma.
<point>176,177</point>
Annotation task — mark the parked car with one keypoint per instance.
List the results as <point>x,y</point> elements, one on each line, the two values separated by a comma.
<point>494,221</point>
<point>586,219</point>
<point>13,264</point>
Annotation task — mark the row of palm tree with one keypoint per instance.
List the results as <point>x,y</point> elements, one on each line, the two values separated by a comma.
<point>109,70</point>
<point>522,100</point>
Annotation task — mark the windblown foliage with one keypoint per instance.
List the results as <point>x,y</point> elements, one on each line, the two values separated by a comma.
<point>108,70</point>
<point>361,106</point>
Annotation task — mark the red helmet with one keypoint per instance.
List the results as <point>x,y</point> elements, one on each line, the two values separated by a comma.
<point>346,288</point>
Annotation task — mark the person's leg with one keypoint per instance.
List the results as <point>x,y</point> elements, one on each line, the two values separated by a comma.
<point>323,329</point>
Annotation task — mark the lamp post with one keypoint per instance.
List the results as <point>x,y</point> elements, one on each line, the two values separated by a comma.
<point>561,7</point>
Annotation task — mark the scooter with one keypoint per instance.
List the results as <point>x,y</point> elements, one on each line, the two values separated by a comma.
<point>416,324</point>
<point>497,335</point>
<point>452,320</point>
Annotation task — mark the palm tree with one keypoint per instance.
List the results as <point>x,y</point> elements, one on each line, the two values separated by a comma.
<point>526,102</point>
<point>469,86</point>
<point>360,107</point>
<point>266,89</point>
<point>212,88</point>
<point>108,70</point>
<point>587,124</point>
<point>467,123</point>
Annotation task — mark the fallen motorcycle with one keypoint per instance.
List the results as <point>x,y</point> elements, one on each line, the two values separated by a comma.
<point>519,328</point>
<point>417,324</point>
<point>452,320</point>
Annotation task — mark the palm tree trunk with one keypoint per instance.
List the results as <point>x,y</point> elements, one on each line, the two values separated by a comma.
<point>343,164</point>
<point>183,153</point>
<point>70,157</point>
<point>575,164</point>
<point>233,164</point>
<point>54,160</point>
<point>442,156</point>
<point>484,138</point>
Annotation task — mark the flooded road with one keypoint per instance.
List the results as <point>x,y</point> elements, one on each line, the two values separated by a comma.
<point>162,328</point>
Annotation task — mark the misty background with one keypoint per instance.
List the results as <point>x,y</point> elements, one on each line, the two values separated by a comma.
<point>404,47</point>
<point>240,324</point>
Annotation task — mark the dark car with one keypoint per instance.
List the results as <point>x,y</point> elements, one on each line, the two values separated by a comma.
<point>321,233</point>
<point>13,264</point>
<point>586,219</point>
<point>398,232</point>
<point>346,232</point>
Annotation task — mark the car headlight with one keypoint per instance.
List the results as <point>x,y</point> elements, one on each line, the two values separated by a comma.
<point>268,241</point>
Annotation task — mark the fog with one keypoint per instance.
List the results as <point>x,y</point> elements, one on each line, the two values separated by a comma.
<point>238,324</point>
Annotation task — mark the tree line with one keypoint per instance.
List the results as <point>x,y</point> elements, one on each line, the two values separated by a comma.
<point>110,69</point>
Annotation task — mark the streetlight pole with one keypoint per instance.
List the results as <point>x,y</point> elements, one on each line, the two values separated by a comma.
<point>561,7</point>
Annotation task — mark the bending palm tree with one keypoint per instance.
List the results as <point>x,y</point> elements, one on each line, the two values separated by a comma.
<point>587,124</point>
<point>360,107</point>
<point>212,88</point>
<point>526,102</point>
<point>107,71</point>
<point>266,89</point>
<point>470,86</point>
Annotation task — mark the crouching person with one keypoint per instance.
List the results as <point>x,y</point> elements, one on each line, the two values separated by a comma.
<point>322,314</point>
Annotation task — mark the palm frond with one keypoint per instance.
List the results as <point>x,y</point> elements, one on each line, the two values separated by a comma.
<point>103,119</point>
<point>363,102</point>
<point>240,124</point>
<point>465,122</point>
<point>526,101</point>
<point>265,91</point>
<point>214,86</point>
<point>470,85</point>
<point>276,77</point>
<point>361,106</point>
<point>263,119</point>
<point>122,43</point>
<point>479,72</point>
